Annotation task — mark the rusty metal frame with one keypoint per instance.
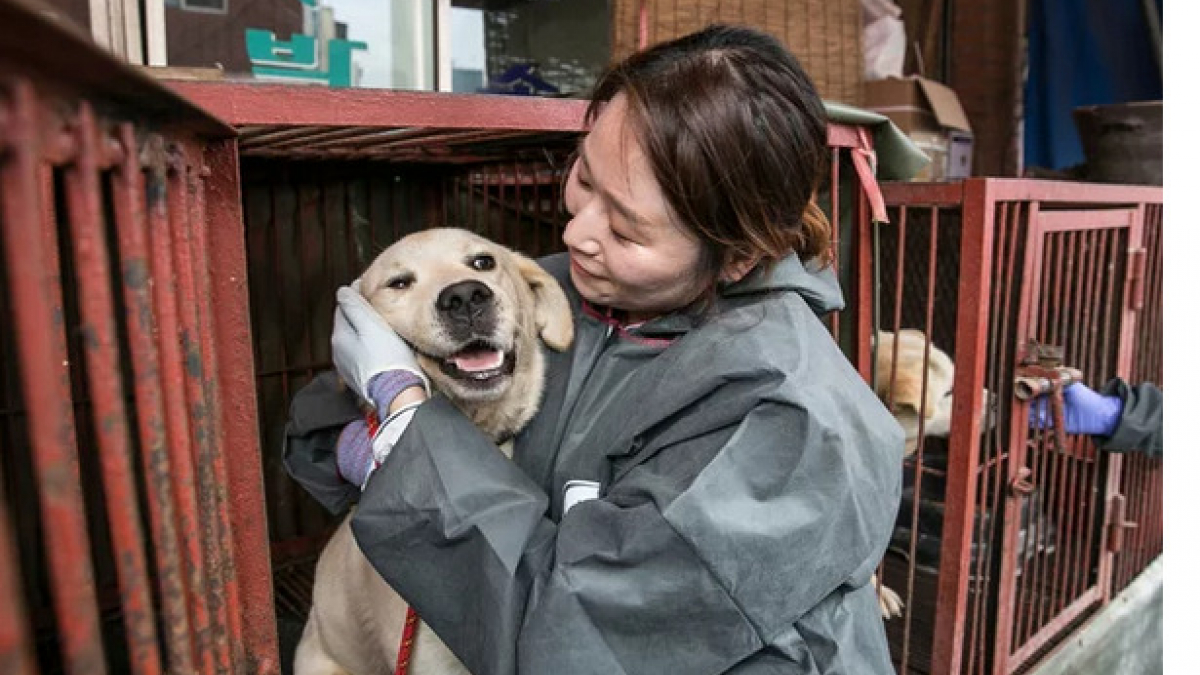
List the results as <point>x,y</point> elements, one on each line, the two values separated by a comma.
<point>115,184</point>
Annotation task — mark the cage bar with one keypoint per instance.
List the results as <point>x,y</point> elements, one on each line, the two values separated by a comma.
<point>110,418</point>
<point>32,274</point>
<point>132,220</point>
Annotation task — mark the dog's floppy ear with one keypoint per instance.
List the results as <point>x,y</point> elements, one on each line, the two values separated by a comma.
<point>552,312</point>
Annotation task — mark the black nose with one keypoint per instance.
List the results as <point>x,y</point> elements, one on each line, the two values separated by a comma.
<point>465,300</point>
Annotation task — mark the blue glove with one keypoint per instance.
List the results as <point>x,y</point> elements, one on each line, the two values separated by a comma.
<point>1085,411</point>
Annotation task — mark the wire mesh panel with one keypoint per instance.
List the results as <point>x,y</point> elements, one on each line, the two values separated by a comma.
<point>127,528</point>
<point>1005,534</point>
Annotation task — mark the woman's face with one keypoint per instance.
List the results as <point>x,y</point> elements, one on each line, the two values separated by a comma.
<point>626,251</point>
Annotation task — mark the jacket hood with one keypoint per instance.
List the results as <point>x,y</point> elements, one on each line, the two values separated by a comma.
<point>816,284</point>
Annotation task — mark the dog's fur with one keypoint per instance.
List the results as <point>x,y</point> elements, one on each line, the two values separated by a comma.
<point>459,300</point>
<point>912,376</point>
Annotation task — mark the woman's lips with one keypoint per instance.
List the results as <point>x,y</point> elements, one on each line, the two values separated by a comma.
<point>581,270</point>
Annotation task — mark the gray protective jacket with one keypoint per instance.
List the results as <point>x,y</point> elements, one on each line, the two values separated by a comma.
<point>1141,425</point>
<point>748,483</point>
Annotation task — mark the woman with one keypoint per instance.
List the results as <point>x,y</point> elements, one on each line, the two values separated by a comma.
<point>731,481</point>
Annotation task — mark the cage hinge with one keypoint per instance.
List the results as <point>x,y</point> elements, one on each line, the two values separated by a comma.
<point>1137,278</point>
<point>1115,535</point>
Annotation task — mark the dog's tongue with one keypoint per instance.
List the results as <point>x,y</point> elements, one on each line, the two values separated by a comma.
<point>475,360</point>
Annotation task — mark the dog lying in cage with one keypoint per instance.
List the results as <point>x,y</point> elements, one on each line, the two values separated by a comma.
<point>357,622</point>
<point>903,388</point>
<point>922,400</point>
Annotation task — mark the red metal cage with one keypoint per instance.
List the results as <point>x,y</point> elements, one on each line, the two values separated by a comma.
<point>132,526</point>
<point>1009,537</point>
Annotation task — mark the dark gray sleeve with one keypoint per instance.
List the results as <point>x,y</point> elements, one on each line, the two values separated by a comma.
<point>665,573</point>
<point>317,415</point>
<point>1141,424</point>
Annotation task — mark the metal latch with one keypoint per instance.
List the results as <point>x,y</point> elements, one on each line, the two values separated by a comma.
<point>1041,373</point>
<point>1022,486</point>
<point>1115,535</point>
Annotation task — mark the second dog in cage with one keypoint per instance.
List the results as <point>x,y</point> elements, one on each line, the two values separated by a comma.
<point>489,364</point>
<point>916,388</point>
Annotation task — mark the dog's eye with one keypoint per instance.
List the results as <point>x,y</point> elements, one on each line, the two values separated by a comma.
<point>483,263</point>
<point>401,282</point>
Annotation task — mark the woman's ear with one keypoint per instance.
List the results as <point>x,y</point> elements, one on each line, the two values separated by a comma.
<point>552,312</point>
<point>738,267</point>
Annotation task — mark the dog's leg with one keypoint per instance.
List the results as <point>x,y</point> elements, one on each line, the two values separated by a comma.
<point>311,658</point>
<point>890,604</point>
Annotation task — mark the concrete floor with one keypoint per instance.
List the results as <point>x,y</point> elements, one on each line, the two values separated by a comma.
<point>1124,639</point>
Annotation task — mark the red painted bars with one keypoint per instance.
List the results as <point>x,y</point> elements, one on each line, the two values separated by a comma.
<point>119,240</point>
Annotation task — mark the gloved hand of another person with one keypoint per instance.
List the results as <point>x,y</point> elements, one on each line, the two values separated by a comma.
<point>373,361</point>
<point>1085,411</point>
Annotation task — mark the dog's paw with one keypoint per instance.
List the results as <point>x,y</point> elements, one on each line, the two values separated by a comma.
<point>890,604</point>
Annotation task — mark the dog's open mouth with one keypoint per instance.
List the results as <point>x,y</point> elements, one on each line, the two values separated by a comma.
<point>479,363</point>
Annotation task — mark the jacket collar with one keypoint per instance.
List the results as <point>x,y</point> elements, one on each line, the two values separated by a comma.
<point>818,286</point>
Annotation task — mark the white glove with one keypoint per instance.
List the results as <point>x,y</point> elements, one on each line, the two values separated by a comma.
<point>364,345</point>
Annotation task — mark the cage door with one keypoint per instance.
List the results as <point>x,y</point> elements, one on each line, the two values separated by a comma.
<point>1076,312</point>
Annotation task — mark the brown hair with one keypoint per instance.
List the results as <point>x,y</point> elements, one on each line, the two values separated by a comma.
<point>736,135</point>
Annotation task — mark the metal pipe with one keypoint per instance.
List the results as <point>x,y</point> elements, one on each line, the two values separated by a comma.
<point>111,420</point>
<point>32,271</point>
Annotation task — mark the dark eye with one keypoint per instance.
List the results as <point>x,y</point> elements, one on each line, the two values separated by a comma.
<point>401,282</point>
<point>483,263</point>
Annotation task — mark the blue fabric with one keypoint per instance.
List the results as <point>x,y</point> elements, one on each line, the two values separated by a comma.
<point>1083,52</point>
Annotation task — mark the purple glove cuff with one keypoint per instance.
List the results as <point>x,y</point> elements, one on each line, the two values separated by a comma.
<point>387,385</point>
<point>354,456</point>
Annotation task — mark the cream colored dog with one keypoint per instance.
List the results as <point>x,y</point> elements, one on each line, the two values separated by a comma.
<point>904,390</point>
<point>913,377</point>
<point>473,312</point>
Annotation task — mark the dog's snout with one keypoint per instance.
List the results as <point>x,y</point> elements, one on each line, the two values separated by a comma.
<point>464,300</point>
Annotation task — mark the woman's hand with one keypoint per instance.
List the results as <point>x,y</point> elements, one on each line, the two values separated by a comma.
<point>371,358</point>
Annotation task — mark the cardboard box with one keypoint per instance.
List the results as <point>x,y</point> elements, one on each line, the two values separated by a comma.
<point>932,116</point>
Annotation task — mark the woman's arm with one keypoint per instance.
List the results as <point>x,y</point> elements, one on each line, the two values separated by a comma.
<point>318,414</point>
<point>1141,423</point>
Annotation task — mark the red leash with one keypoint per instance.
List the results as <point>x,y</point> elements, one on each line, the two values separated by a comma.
<point>411,619</point>
<point>406,642</point>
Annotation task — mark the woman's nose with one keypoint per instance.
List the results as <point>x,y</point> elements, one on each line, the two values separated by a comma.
<point>579,234</point>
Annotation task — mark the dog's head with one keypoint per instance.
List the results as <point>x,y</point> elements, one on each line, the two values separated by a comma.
<point>903,375</point>
<point>473,311</point>
<point>915,374</point>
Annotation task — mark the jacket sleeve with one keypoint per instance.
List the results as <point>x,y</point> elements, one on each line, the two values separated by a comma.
<point>707,550</point>
<point>1140,427</point>
<point>318,413</point>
